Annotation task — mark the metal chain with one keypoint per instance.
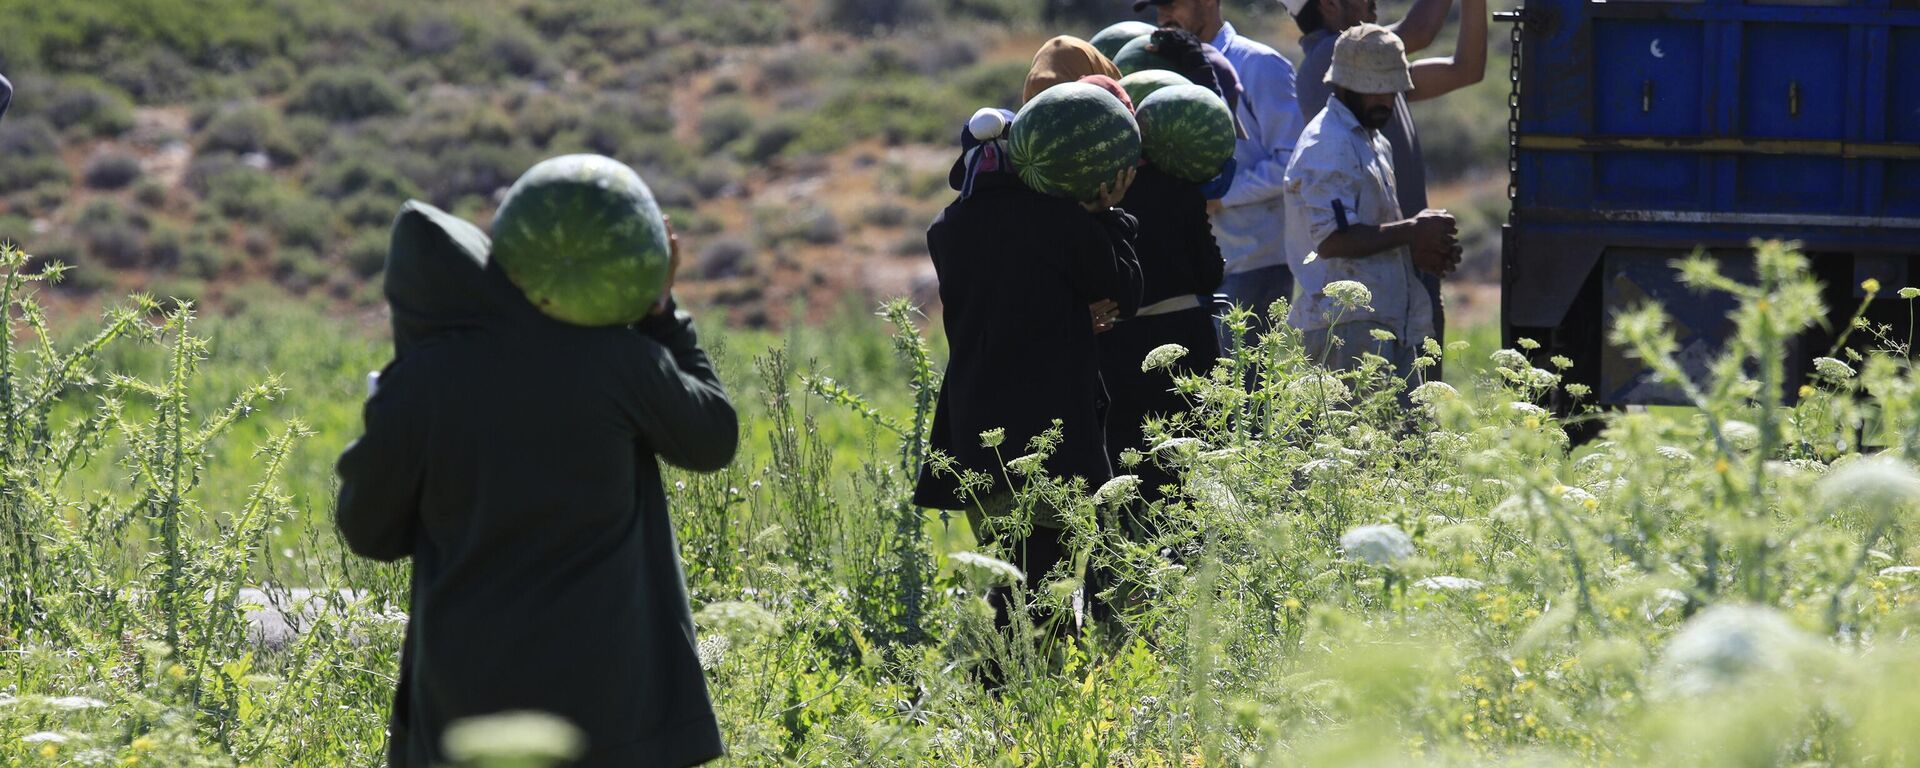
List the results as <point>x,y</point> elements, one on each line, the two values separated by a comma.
<point>1513,118</point>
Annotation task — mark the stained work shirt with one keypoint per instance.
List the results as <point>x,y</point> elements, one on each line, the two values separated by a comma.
<point>1342,175</point>
<point>1249,226</point>
<point>1409,170</point>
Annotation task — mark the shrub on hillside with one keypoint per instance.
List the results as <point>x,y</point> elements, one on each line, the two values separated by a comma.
<point>474,170</point>
<point>247,129</point>
<point>111,236</point>
<point>346,94</point>
<point>28,137</point>
<point>156,75</point>
<point>111,169</point>
<point>773,137</point>
<point>342,173</point>
<point>868,15</point>
<point>722,124</point>
<point>366,254</point>
<point>85,106</point>
<point>26,174</point>
<point>298,220</point>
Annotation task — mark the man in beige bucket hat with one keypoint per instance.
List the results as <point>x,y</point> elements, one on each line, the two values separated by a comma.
<point>1344,222</point>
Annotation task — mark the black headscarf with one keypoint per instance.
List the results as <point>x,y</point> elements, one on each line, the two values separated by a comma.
<point>6,95</point>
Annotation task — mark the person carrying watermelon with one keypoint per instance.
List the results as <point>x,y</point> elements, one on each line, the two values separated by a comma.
<point>1018,270</point>
<point>514,457</point>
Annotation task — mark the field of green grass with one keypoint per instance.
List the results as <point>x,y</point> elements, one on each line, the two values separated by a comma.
<point>1337,581</point>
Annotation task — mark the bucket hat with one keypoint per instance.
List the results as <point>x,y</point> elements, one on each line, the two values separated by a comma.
<point>1370,59</point>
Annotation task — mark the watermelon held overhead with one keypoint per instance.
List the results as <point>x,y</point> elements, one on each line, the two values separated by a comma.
<point>1109,41</point>
<point>1072,138</point>
<point>1186,131</point>
<point>1134,57</point>
<point>583,238</point>
<point>1142,84</point>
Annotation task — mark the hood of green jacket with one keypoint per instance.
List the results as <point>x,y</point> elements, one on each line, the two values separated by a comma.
<point>439,279</point>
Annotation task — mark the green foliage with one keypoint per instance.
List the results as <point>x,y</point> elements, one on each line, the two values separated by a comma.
<point>346,94</point>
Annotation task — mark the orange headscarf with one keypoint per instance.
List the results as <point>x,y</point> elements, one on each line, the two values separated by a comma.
<point>1065,60</point>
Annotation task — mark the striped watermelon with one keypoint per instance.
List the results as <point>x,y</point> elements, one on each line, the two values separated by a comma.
<point>1072,138</point>
<point>1140,85</point>
<point>1109,41</point>
<point>583,238</point>
<point>1186,131</point>
<point>1134,57</point>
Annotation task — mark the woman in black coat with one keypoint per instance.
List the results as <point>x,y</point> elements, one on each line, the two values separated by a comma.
<point>1018,271</point>
<point>515,459</point>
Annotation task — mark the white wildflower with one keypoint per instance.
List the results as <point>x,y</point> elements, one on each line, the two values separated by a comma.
<point>1561,361</point>
<point>1578,496</point>
<point>1177,445</point>
<point>1318,386</point>
<point>1380,545</point>
<point>1741,435</point>
<point>45,737</point>
<point>1527,409</point>
<point>1449,583</point>
<point>1909,293</point>
<point>1117,490</point>
<point>1322,467</point>
<point>530,737</point>
<point>992,570</point>
<point>1349,293</point>
<point>1518,508</point>
<point>992,438</point>
<point>1163,356</point>
<point>1901,570</point>
<point>1381,334</point>
<point>1508,358</point>
<point>1876,481</point>
<point>72,703</point>
<point>1832,368</point>
<point>1029,464</point>
<point>1674,454</point>
<point>1433,392</point>
<point>712,651</point>
<point>736,619</point>
<point>1726,644</point>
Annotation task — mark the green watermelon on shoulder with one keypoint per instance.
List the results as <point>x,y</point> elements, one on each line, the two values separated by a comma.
<point>1142,84</point>
<point>1134,57</point>
<point>583,238</point>
<point>1109,41</point>
<point>1186,131</point>
<point>1072,138</point>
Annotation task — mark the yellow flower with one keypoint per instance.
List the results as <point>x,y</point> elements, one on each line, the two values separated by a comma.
<point>1870,285</point>
<point>1806,390</point>
<point>49,750</point>
<point>142,744</point>
<point>177,672</point>
<point>1520,664</point>
<point>1721,466</point>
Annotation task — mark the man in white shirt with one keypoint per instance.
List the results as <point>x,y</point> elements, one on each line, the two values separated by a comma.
<point>1249,221</point>
<point>1344,221</point>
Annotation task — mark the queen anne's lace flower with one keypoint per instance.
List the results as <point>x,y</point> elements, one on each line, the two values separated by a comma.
<point>1163,356</point>
<point>1449,583</point>
<point>1379,545</point>
<point>1527,409</point>
<point>993,570</point>
<point>1433,392</point>
<point>1318,386</point>
<point>1901,570</point>
<point>71,703</point>
<point>1117,490</point>
<point>1877,481</point>
<point>45,737</point>
<point>1509,358</point>
<point>1029,464</point>
<point>1742,435</point>
<point>1349,293</point>
<point>1726,644</point>
<point>1674,454</point>
<point>1832,368</point>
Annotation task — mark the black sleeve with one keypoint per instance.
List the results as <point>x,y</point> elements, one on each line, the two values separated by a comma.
<point>1209,268</point>
<point>1106,267</point>
<point>674,397</point>
<point>382,472</point>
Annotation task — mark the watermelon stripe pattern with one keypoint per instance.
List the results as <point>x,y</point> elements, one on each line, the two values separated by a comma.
<point>1142,84</point>
<point>1186,131</point>
<point>1109,41</point>
<point>1134,57</point>
<point>1071,139</point>
<point>584,239</point>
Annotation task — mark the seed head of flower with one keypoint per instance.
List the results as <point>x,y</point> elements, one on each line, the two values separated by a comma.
<point>1433,392</point>
<point>1527,344</point>
<point>1163,356</point>
<point>1317,387</point>
<point>1579,391</point>
<point>1510,358</point>
<point>992,438</point>
<point>736,619</point>
<point>1349,293</point>
<point>1527,409</point>
<point>1832,368</point>
<point>1910,293</point>
<point>992,570</point>
<point>1117,490</point>
<point>1882,482</point>
<point>1029,464</point>
<point>1674,454</point>
<point>1381,334</point>
<point>1377,545</point>
<point>1431,347</point>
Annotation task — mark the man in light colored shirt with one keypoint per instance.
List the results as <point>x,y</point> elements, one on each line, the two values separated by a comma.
<point>1323,20</point>
<point>1344,221</point>
<point>1249,222</point>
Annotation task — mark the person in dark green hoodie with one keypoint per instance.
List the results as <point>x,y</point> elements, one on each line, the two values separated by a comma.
<point>513,457</point>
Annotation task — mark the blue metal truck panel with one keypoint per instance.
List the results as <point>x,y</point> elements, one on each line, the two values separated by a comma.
<point>1646,130</point>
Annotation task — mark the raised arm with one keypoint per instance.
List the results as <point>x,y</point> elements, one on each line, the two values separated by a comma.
<point>1436,77</point>
<point>1422,23</point>
<point>674,397</point>
<point>381,473</point>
